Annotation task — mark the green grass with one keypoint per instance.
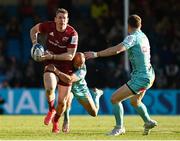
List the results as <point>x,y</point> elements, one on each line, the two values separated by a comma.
<point>87,128</point>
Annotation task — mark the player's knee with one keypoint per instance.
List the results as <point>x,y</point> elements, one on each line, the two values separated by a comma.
<point>61,103</point>
<point>134,102</point>
<point>114,100</point>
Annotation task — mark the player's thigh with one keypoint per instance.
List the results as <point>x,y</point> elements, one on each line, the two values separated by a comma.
<point>63,92</point>
<point>50,80</point>
<point>121,94</point>
<point>136,99</point>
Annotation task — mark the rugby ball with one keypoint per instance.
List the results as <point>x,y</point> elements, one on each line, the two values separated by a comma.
<point>37,51</point>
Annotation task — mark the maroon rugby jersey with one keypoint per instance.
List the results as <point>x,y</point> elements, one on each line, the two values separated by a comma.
<point>58,43</point>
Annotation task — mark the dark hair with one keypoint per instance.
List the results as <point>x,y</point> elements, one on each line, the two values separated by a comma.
<point>134,21</point>
<point>61,10</point>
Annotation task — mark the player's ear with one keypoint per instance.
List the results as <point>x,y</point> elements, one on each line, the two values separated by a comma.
<point>55,19</point>
<point>67,20</point>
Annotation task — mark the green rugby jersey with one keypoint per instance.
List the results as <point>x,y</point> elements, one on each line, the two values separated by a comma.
<point>80,85</point>
<point>138,48</point>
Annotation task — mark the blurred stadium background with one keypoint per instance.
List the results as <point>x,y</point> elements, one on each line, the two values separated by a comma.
<point>100,24</point>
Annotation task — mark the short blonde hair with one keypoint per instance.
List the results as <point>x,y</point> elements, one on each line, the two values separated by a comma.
<point>134,21</point>
<point>61,10</point>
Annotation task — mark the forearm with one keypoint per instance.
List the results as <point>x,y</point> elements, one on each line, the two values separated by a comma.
<point>33,34</point>
<point>69,55</point>
<point>65,56</point>
<point>64,77</point>
<point>111,51</point>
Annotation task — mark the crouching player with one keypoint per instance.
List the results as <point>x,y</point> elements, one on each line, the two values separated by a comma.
<point>79,89</point>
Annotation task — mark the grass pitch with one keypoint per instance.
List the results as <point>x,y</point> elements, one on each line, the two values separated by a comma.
<point>87,128</point>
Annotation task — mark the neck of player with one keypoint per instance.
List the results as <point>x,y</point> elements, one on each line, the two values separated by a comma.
<point>60,28</point>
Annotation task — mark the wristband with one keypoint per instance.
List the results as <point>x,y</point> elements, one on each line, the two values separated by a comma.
<point>53,57</point>
<point>95,54</point>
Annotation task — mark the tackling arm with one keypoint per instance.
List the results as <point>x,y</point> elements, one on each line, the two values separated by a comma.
<point>64,77</point>
<point>67,78</point>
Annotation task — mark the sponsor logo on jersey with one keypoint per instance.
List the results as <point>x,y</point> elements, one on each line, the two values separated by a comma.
<point>130,40</point>
<point>56,44</point>
<point>74,40</point>
<point>57,41</point>
<point>144,49</point>
<point>51,33</point>
<point>65,39</point>
<point>141,90</point>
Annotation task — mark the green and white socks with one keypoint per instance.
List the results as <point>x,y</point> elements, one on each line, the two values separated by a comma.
<point>118,112</point>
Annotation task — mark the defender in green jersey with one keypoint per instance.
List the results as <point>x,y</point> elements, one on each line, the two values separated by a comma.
<point>79,90</point>
<point>142,77</point>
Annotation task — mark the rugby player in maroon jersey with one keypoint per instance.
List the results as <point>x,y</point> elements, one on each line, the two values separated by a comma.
<point>61,43</point>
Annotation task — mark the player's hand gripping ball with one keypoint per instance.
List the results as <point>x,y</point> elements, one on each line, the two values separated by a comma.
<point>37,51</point>
<point>79,60</point>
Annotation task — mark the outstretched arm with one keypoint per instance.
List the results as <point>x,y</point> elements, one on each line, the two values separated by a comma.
<point>64,77</point>
<point>107,52</point>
